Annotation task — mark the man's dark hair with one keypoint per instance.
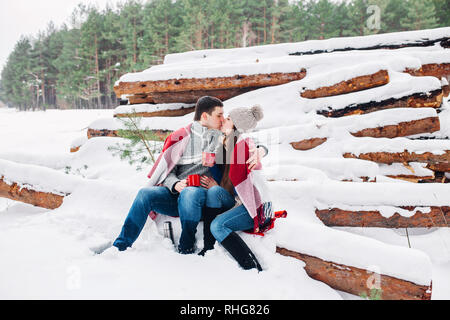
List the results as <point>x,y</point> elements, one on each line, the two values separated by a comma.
<point>206,104</point>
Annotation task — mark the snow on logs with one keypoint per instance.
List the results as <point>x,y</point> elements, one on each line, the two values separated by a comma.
<point>412,172</point>
<point>292,167</point>
<point>160,127</point>
<point>434,63</point>
<point>389,123</point>
<point>356,264</point>
<point>445,87</point>
<point>35,185</point>
<point>187,83</point>
<point>345,80</point>
<point>154,110</point>
<point>421,39</point>
<point>403,91</point>
<point>435,153</point>
<point>406,205</point>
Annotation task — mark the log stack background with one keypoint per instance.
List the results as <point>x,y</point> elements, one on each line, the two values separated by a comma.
<point>437,164</point>
<point>157,94</point>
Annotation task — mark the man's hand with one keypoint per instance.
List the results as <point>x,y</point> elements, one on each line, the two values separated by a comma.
<point>255,159</point>
<point>180,185</point>
<point>207,182</point>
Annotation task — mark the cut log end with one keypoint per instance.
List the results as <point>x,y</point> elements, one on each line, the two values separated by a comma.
<point>75,149</point>
<point>308,144</point>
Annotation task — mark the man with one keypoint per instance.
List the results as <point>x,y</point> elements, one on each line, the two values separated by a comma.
<point>169,193</point>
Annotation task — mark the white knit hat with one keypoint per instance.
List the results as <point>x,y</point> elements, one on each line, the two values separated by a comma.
<point>245,119</point>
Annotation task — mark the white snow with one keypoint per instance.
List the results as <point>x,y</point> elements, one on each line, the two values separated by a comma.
<point>341,74</point>
<point>332,245</point>
<point>307,46</point>
<point>327,127</point>
<point>49,254</point>
<point>146,107</point>
<point>56,260</point>
<point>152,123</point>
<point>416,169</point>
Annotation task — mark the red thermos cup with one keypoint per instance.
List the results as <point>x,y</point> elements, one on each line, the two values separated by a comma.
<point>194,180</point>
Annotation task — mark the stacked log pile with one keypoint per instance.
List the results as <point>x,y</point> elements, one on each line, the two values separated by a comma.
<point>375,108</point>
<point>189,90</point>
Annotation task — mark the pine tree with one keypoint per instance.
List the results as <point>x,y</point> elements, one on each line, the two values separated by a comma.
<point>298,22</point>
<point>442,8</point>
<point>420,15</point>
<point>16,79</point>
<point>90,50</point>
<point>343,21</point>
<point>394,12</point>
<point>69,66</point>
<point>141,144</point>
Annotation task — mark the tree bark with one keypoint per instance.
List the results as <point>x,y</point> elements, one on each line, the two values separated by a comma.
<point>355,280</point>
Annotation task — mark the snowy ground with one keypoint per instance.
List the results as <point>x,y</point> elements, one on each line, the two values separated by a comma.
<point>48,254</point>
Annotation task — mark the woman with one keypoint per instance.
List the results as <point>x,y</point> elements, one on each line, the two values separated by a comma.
<point>241,191</point>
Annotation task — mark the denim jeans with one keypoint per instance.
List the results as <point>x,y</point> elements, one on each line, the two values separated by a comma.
<point>187,205</point>
<point>218,197</point>
<point>236,219</point>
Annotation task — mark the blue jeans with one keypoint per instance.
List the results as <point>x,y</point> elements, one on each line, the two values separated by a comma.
<point>187,205</point>
<point>218,197</point>
<point>236,219</point>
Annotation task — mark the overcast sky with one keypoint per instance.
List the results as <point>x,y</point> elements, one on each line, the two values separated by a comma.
<point>27,17</point>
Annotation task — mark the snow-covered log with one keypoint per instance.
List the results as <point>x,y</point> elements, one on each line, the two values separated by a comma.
<point>366,81</point>
<point>402,91</point>
<point>160,135</point>
<point>154,110</point>
<point>36,185</point>
<point>437,162</point>
<point>187,97</point>
<point>389,123</point>
<point>412,172</point>
<point>403,217</point>
<point>431,99</point>
<point>356,264</point>
<point>208,83</point>
<point>46,200</point>
<point>435,153</point>
<point>401,129</point>
<point>445,87</point>
<point>159,126</point>
<point>437,70</point>
<point>419,39</point>
<point>77,143</point>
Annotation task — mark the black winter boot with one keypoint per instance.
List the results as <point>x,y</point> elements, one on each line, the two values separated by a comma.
<point>240,252</point>
<point>208,239</point>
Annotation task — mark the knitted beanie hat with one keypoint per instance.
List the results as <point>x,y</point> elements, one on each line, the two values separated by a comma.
<point>245,119</point>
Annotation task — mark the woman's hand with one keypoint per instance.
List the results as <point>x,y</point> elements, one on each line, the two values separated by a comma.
<point>207,182</point>
<point>255,159</point>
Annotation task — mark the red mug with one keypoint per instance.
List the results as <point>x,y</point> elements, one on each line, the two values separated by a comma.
<point>193,180</point>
